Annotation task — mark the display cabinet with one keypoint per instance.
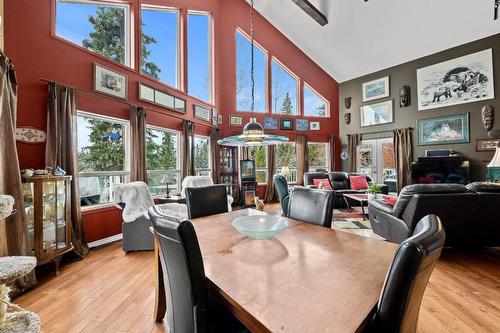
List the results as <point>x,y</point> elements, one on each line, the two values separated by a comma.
<point>229,170</point>
<point>47,202</point>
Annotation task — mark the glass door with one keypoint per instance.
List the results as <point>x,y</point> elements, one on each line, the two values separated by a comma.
<point>375,158</point>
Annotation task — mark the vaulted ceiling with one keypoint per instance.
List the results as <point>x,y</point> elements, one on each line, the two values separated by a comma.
<point>364,37</point>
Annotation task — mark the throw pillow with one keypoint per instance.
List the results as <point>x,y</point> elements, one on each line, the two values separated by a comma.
<point>390,200</point>
<point>358,182</point>
<point>323,181</point>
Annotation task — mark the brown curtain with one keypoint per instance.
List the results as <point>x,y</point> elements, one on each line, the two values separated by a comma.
<point>271,170</point>
<point>302,157</point>
<point>61,150</point>
<point>188,148</point>
<point>215,152</point>
<point>403,154</point>
<point>245,153</point>
<point>332,143</point>
<point>352,145</point>
<point>138,170</point>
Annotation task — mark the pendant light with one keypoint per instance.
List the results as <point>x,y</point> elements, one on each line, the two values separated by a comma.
<point>253,132</point>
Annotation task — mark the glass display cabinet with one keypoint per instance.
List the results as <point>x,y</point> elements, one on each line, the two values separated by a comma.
<point>48,211</point>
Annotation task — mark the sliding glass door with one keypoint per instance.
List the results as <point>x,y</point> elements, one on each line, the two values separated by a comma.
<point>375,158</point>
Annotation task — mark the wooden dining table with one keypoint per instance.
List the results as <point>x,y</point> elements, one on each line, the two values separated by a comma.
<point>306,279</point>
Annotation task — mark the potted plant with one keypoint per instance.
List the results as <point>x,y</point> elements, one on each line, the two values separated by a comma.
<point>373,191</point>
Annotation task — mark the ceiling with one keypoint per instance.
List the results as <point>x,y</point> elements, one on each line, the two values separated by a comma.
<point>364,37</point>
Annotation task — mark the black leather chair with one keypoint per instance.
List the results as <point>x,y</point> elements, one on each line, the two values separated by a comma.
<point>399,304</point>
<point>206,200</point>
<point>311,205</point>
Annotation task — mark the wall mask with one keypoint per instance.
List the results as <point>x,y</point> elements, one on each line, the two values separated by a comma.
<point>347,118</point>
<point>488,117</point>
<point>347,102</point>
<point>404,96</point>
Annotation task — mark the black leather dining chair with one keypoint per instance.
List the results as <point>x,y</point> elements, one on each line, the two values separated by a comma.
<point>407,278</point>
<point>311,205</point>
<point>206,200</point>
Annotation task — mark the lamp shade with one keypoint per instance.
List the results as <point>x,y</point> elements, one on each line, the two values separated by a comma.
<point>495,162</point>
<point>253,135</point>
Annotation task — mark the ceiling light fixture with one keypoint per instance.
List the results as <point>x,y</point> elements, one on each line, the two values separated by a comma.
<point>496,6</point>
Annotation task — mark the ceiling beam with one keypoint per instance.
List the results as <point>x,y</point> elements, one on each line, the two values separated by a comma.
<point>312,11</point>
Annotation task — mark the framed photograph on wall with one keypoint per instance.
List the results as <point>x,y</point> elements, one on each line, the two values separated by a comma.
<point>443,130</point>
<point>376,114</point>
<point>314,126</point>
<point>146,93</point>
<point>376,89</point>
<point>235,120</point>
<point>271,123</point>
<point>487,144</point>
<point>286,124</point>
<point>302,125</point>
<point>219,119</point>
<point>109,82</point>
<point>201,112</point>
<point>164,99</point>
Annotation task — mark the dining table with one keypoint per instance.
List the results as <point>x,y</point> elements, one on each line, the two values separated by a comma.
<point>308,278</point>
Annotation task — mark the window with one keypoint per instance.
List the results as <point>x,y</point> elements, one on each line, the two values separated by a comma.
<point>259,155</point>
<point>314,104</point>
<point>318,155</point>
<point>284,90</point>
<point>202,156</point>
<point>162,160</point>
<point>100,27</point>
<point>102,157</point>
<point>200,56</point>
<point>160,45</point>
<point>243,79</point>
<point>286,161</point>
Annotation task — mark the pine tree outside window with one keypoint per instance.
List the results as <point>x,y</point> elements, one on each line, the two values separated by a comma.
<point>314,104</point>
<point>286,156</point>
<point>318,155</point>
<point>259,155</point>
<point>202,161</point>
<point>284,90</point>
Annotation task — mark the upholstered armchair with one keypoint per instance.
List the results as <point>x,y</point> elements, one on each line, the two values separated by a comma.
<point>202,181</point>
<point>281,186</point>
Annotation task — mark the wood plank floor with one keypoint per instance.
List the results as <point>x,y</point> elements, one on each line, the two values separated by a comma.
<point>109,291</point>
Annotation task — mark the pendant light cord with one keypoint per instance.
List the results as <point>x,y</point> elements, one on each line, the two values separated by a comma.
<point>252,100</point>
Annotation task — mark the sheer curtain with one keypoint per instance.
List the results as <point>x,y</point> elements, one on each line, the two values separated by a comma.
<point>271,170</point>
<point>302,157</point>
<point>188,148</point>
<point>403,154</point>
<point>138,170</point>
<point>352,145</point>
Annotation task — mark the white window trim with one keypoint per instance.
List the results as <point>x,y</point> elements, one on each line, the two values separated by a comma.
<point>327,155</point>
<point>321,97</point>
<point>297,79</point>
<point>209,154</point>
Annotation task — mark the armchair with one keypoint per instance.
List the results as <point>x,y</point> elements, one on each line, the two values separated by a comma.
<point>202,181</point>
<point>281,186</point>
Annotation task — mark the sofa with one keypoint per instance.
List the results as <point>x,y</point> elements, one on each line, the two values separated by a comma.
<point>340,184</point>
<point>469,213</point>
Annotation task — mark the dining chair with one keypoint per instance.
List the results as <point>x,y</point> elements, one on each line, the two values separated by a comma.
<point>281,186</point>
<point>206,200</point>
<point>311,205</point>
<point>407,278</point>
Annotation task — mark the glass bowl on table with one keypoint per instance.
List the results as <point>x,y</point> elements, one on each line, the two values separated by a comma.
<point>260,226</point>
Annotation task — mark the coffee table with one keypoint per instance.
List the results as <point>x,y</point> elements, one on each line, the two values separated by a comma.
<point>361,198</point>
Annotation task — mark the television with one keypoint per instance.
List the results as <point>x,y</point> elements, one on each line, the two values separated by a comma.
<point>247,169</point>
<point>440,170</point>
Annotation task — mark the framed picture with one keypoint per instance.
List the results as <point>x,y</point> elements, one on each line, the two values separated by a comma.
<point>109,82</point>
<point>161,98</point>
<point>219,119</point>
<point>376,114</point>
<point>314,126</point>
<point>302,125</point>
<point>286,124</point>
<point>443,130</point>
<point>457,81</point>
<point>179,105</point>
<point>376,89</point>
<point>146,93</point>
<point>164,99</point>
<point>270,123</point>
<point>249,198</point>
<point>487,144</point>
<point>235,120</point>
<point>202,113</point>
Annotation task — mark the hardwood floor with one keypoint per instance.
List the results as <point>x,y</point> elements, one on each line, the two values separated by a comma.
<point>109,291</point>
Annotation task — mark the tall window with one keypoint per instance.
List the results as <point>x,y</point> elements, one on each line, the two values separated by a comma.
<point>243,78</point>
<point>259,155</point>
<point>318,155</point>
<point>160,44</point>
<point>199,40</point>
<point>162,160</point>
<point>284,90</point>
<point>314,104</point>
<point>102,157</point>
<point>98,26</point>
<point>202,155</point>
<point>286,161</point>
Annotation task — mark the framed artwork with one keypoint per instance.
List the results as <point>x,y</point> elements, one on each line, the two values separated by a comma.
<point>487,144</point>
<point>202,113</point>
<point>179,105</point>
<point>462,80</point>
<point>376,114</point>
<point>443,130</point>
<point>249,198</point>
<point>161,98</point>
<point>146,93</point>
<point>164,99</point>
<point>219,119</point>
<point>235,120</point>
<point>271,123</point>
<point>109,82</point>
<point>376,89</point>
<point>314,126</point>
<point>286,124</point>
<point>302,125</point>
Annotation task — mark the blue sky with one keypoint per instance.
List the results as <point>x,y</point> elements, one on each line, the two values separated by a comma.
<point>311,102</point>
<point>282,83</point>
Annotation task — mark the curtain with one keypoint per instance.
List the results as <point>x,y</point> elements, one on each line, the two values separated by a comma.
<point>332,142</point>
<point>271,170</point>
<point>403,154</point>
<point>138,170</point>
<point>302,157</point>
<point>61,150</point>
<point>188,148</point>
<point>215,152</point>
<point>352,145</point>
<point>245,153</point>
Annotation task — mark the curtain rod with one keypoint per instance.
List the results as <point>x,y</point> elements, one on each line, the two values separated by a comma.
<point>381,131</point>
<point>121,101</point>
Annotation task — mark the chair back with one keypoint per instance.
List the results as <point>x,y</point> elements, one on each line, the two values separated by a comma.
<point>311,205</point>
<point>183,273</point>
<point>407,278</point>
<point>206,200</point>
<point>281,186</point>
<point>195,181</point>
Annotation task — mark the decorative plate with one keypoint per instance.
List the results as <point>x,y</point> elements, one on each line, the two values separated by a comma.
<point>344,155</point>
<point>30,135</point>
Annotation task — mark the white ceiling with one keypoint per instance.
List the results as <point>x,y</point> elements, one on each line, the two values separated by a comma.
<point>364,37</point>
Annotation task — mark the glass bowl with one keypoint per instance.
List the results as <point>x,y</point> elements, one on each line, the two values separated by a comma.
<point>260,227</point>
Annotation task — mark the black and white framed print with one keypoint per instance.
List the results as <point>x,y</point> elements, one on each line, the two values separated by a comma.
<point>201,112</point>
<point>376,89</point>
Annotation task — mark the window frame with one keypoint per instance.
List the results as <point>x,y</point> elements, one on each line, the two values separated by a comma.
<point>327,103</point>
<point>209,169</point>
<point>327,155</point>
<point>292,170</point>
<point>298,87</point>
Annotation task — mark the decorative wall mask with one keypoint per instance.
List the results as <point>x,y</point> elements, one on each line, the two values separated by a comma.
<point>347,102</point>
<point>404,96</point>
<point>347,118</point>
<point>488,117</point>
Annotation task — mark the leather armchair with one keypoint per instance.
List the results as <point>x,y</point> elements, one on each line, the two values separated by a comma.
<point>281,186</point>
<point>311,205</point>
<point>206,200</point>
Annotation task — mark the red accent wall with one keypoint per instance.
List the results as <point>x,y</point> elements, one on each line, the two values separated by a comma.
<point>38,53</point>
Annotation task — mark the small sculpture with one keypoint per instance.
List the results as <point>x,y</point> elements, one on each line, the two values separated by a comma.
<point>404,96</point>
<point>347,102</point>
<point>488,117</point>
<point>259,204</point>
<point>347,118</point>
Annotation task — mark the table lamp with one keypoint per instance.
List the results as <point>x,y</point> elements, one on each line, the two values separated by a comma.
<point>285,171</point>
<point>494,166</point>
